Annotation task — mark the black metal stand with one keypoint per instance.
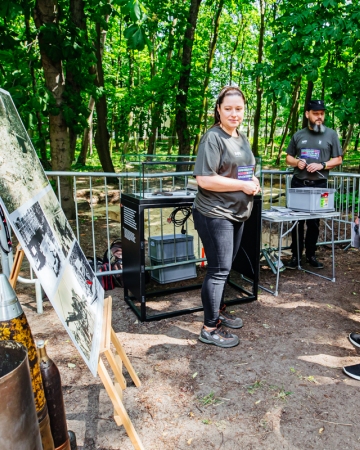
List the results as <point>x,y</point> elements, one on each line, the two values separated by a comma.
<point>132,230</point>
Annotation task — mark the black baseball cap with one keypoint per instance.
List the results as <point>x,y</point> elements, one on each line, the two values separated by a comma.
<point>316,105</point>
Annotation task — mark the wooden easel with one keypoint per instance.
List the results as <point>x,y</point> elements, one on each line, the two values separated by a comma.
<point>115,390</point>
<point>15,270</point>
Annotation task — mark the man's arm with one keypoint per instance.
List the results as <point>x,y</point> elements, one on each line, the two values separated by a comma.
<point>294,162</point>
<point>333,162</point>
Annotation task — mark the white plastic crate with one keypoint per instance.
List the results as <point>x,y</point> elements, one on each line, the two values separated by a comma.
<point>311,200</point>
<point>170,246</point>
<point>173,273</point>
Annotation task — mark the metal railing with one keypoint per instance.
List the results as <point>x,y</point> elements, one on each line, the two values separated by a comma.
<point>274,186</point>
<point>95,202</point>
<point>346,200</point>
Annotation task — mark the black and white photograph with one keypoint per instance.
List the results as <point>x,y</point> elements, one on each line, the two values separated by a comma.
<point>84,274</point>
<point>40,245</point>
<point>82,320</point>
<point>57,220</point>
<point>21,174</point>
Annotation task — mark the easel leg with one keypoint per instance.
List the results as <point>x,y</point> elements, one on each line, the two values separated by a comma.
<point>119,407</point>
<point>124,358</point>
<point>116,361</point>
<point>15,270</point>
<point>118,390</point>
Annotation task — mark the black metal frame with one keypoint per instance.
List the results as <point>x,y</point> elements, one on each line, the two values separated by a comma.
<point>132,229</point>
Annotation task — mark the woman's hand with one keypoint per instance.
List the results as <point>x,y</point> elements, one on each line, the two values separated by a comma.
<point>256,181</point>
<point>218,183</point>
<point>250,187</point>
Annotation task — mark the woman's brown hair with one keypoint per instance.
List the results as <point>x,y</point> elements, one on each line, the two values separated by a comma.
<point>225,91</point>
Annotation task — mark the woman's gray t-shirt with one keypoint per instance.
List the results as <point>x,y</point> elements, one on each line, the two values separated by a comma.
<point>227,156</point>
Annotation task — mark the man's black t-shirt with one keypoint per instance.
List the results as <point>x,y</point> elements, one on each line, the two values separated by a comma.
<point>314,148</point>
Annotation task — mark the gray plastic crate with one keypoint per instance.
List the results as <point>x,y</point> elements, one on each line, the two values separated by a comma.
<point>311,199</point>
<point>170,246</point>
<point>173,273</point>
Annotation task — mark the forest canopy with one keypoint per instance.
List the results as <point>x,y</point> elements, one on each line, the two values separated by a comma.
<point>123,74</point>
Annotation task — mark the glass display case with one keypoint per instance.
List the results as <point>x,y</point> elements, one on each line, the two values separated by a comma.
<point>150,179</point>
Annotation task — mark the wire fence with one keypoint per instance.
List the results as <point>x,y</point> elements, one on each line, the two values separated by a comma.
<point>98,200</point>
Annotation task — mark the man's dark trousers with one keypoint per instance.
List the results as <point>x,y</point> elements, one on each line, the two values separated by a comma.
<point>312,231</point>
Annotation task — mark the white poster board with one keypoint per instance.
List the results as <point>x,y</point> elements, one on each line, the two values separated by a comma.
<point>47,238</point>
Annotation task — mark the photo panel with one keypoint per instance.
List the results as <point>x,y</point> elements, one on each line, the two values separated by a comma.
<point>40,246</point>
<point>57,220</point>
<point>21,174</point>
<point>46,237</point>
<point>82,319</point>
<point>85,275</point>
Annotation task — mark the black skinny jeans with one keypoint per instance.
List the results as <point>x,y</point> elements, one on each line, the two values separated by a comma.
<point>221,239</point>
<point>312,225</point>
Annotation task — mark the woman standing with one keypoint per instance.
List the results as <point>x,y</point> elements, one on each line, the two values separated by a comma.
<point>224,171</point>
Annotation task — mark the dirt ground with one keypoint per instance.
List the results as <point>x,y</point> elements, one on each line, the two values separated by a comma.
<point>281,388</point>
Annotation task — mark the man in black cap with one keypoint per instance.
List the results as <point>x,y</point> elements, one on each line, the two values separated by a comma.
<point>312,151</point>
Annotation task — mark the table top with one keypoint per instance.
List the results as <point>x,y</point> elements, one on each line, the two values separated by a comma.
<point>274,216</point>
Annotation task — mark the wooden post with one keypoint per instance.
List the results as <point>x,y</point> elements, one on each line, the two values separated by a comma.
<point>15,270</point>
<point>115,389</point>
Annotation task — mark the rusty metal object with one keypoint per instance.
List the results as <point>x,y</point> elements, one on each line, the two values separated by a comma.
<point>14,326</point>
<point>45,432</point>
<point>19,427</point>
<point>64,446</point>
<point>54,398</point>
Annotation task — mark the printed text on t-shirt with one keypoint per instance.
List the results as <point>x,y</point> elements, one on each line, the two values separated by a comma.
<point>245,173</point>
<point>310,153</point>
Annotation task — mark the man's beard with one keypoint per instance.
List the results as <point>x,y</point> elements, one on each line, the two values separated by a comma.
<point>315,127</point>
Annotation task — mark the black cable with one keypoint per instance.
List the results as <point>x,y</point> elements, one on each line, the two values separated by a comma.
<point>186,212</point>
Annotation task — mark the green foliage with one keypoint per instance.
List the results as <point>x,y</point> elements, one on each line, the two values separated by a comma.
<point>319,42</point>
<point>348,201</point>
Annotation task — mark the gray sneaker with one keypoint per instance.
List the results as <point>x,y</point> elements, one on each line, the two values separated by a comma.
<point>229,320</point>
<point>219,337</point>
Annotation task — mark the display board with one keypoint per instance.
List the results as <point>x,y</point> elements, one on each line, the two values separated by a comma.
<point>46,236</point>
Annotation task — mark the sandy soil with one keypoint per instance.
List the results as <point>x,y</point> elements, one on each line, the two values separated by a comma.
<point>281,388</point>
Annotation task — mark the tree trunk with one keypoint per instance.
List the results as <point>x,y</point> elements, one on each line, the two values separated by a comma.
<point>343,135</point>
<point>240,29</point>
<point>155,113</point>
<point>292,110</point>
<point>172,138</point>
<point>130,88</point>
<point>309,90</point>
<point>184,80</point>
<point>266,125</point>
<point>357,141</point>
<point>102,135</point>
<point>259,90</point>
<point>87,137</point>
<point>248,128</point>
<point>208,72</point>
<point>45,15</point>
<point>295,117</point>
<point>271,142</point>
<point>42,140</point>
<point>77,17</point>
<point>348,138</point>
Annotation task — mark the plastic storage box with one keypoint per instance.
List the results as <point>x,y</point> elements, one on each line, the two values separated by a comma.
<point>173,273</point>
<point>313,200</point>
<point>170,246</point>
